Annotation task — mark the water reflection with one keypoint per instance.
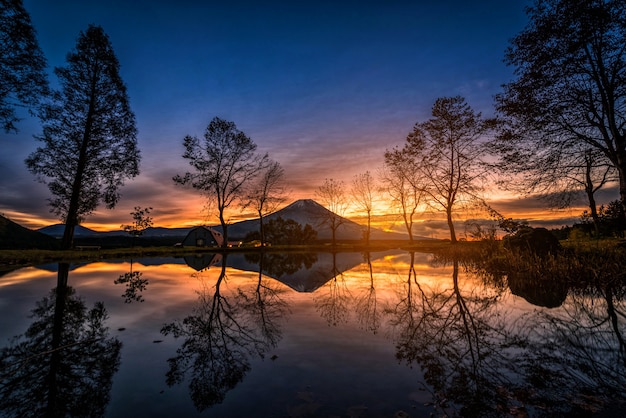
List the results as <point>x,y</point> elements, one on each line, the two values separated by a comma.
<point>225,329</point>
<point>580,347</point>
<point>63,365</point>
<point>479,361</point>
<point>460,341</point>
<point>200,262</point>
<point>273,334</point>
<point>135,285</point>
<point>366,306</point>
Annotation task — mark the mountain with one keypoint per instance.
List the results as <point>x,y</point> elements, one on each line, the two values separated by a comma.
<point>57,231</point>
<point>152,232</point>
<point>165,232</point>
<point>83,232</point>
<point>304,211</point>
<point>15,237</point>
<point>308,211</point>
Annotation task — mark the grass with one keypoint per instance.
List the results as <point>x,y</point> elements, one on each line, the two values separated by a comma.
<point>587,261</point>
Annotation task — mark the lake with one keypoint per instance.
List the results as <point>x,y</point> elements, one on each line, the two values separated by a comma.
<point>388,334</point>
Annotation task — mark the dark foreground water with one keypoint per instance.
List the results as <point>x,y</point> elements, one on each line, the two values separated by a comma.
<point>392,335</point>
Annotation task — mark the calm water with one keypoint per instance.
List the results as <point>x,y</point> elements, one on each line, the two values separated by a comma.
<point>312,335</point>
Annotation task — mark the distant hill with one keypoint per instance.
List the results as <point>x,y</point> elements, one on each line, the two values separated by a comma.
<point>15,237</point>
<point>165,232</point>
<point>56,231</point>
<point>83,232</point>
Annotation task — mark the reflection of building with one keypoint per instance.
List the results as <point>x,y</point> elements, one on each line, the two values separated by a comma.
<point>201,261</point>
<point>202,236</point>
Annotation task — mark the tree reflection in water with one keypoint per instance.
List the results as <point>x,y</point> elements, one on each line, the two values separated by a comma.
<point>135,285</point>
<point>64,363</point>
<point>547,362</point>
<point>580,346</point>
<point>277,265</point>
<point>366,304</point>
<point>460,340</point>
<point>225,330</point>
<point>332,299</point>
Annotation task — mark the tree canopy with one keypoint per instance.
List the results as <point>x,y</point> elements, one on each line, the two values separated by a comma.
<point>224,162</point>
<point>332,195</point>
<point>569,94</point>
<point>89,135</point>
<point>447,151</point>
<point>267,192</point>
<point>23,80</point>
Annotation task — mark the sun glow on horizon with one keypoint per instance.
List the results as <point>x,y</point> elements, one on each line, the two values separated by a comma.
<point>383,216</point>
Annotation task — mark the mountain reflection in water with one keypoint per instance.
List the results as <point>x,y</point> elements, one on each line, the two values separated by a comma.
<point>297,334</point>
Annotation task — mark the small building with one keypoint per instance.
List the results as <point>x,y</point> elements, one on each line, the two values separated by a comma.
<point>202,236</point>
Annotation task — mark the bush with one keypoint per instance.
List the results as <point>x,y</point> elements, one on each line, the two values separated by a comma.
<point>538,241</point>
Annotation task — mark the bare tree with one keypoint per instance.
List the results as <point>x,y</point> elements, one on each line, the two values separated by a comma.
<point>89,134</point>
<point>267,192</point>
<point>362,191</point>
<point>332,195</point>
<point>402,182</point>
<point>557,172</point>
<point>447,151</point>
<point>224,163</point>
<point>570,89</point>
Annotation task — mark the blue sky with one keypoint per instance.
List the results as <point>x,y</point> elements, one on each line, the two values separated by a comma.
<point>324,87</point>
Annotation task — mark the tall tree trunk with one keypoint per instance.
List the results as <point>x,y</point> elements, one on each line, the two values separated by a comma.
<point>451,224</point>
<point>71,219</point>
<point>369,228</point>
<point>224,230</point>
<point>261,229</point>
<point>621,170</point>
<point>590,196</point>
<point>409,226</point>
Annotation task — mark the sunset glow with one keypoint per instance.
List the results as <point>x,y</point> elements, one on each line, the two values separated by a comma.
<point>328,93</point>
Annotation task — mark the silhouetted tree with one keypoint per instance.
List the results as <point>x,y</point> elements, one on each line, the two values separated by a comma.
<point>141,222</point>
<point>267,193</point>
<point>23,80</point>
<point>569,92</point>
<point>224,163</point>
<point>447,150</point>
<point>332,195</point>
<point>64,364</point>
<point>404,184</point>
<point>557,173</point>
<point>611,219</point>
<point>362,191</point>
<point>89,134</point>
<point>287,232</point>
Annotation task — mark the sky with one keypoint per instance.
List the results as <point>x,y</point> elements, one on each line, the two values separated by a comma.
<point>324,87</point>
